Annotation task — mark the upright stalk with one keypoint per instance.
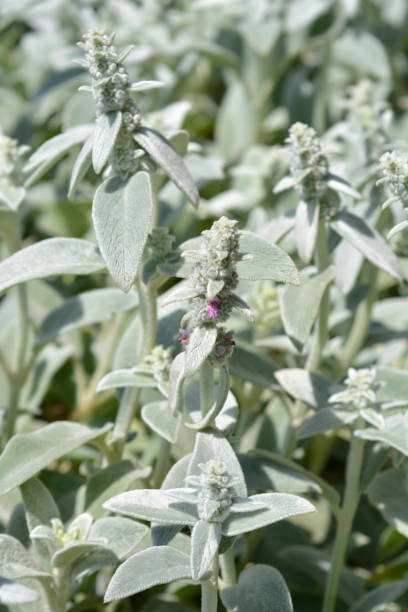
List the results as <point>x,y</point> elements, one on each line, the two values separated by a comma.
<point>206,387</point>
<point>322,259</point>
<point>17,377</point>
<point>345,522</point>
<point>209,590</point>
<point>361,323</point>
<point>147,338</point>
<point>228,569</point>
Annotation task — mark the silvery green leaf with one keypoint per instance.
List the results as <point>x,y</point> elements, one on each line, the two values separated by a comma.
<point>243,307</point>
<point>200,345</point>
<point>50,257</point>
<point>302,13</point>
<point>397,228</point>
<point>247,504</point>
<point>165,156</point>
<point>285,183</point>
<point>339,184</point>
<point>221,391</point>
<point>11,195</point>
<point>205,538</point>
<point>214,287</point>
<point>39,505</point>
<point>308,387</point>
<point>394,433</point>
<point>394,384</point>
<point>157,565</point>
<point>261,588</point>
<point>180,293</point>
<point>154,505</point>
<point>325,420</point>
<point>387,593</point>
<point>110,481</point>
<point>27,454</point>
<point>262,260</point>
<point>368,241</point>
<point>252,366</point>
<point>80,526</point>
<point>176,378</point>
<point>235,123</point>
<point>118,533</point>
<point>81,166</point>
<point>13,593</point>
<point>298,321</point>
<point>146,85</point>
<point>85,309</point>
<point>213,445</point>
<point>92,562</point>
<point>281,506</point>
<point>388,492</point>
<point>125,378</point>
<point>107,126</point>
<point>158,417</point>
<point>73,552</point>
<point>373,417</point>
<point>306,226</point>
<point>13,552</point>
<point>122,214</point>
<point>58,145</point>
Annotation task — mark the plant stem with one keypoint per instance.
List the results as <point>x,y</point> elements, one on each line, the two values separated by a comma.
<point>361,323</point>
<point>162,463</point>
<point>206,387</point>
<point>209,590</point>
<point>351,499</point>
<point>130,397</point>
<point>17,380</point>
<point>322,259</point>
<point>228,570</point>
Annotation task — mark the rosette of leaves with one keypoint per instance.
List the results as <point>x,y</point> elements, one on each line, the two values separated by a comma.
<point>213,504</point>
<point>124,204</point>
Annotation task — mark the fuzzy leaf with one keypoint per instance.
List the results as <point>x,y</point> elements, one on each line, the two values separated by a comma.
<point>107,128</point>
<point>158,417</point>
<point>325,420</point>
<point>388,492</point>
<point>51,257</point>
<point>387,593</point>
<point>281,506</point>
<point>200,345</point>
<point>81,166</point>
<point>306,225</point>
<point>54,148</point>
<point>165,156</point>
<point>308,387</point>
<point>212,445</point>
<point>13,593</point>
<point>122,213</point>
<point>205,539</point>
<point>27,454</point>
<point>157,565</point>
<point>298,321</point>
<point>126,378</point>
<point>39,505</point>
<point>341,185</point>
<point>11,195</point>
<point>264,261</point>
<point>176,377</point>
<point>394,433</point>
<point>154,505</point>
<point>85,309</point>
<point>261,588</point>
<point>118,533</point>
<point>368,241</point>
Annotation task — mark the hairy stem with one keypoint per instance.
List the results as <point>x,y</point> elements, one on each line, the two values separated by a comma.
<point>350,503</point>
<point>361,323</point>
<point>228,569</point>
<point>322,259</point>
<point>209,590</point>
<point>147,338</point>
<point>206,388</point>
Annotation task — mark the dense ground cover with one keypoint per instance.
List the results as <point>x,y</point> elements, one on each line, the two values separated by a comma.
<point>203,350</point>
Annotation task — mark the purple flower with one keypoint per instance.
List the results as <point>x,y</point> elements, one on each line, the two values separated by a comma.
<point>220,350</point>
<point>184,336</point>
<point>229,338</point>
<point>212,307</point>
